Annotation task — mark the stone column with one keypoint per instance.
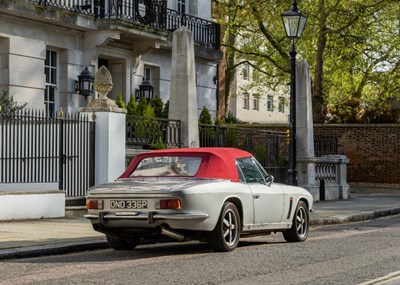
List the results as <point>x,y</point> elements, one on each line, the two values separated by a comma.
<point>110,128</point>
<point>304,129</point>
<point>183,96</point>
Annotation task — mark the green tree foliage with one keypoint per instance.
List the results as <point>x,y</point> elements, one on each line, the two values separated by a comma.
<point>352,47</point>
<point>8,105</point>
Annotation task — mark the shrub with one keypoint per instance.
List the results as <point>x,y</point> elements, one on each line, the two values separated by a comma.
<point>205,116</point>
<point>8,105</point>
<point>231,119</point>
<point>165,110</point>
<point>120,103</point>
<point>141,106</point>
<point>157,105</point>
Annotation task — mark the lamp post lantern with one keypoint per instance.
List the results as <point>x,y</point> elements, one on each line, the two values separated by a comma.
<point>294,22</point>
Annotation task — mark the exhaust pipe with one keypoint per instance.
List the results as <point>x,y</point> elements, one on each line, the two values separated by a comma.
<point>171,234</point>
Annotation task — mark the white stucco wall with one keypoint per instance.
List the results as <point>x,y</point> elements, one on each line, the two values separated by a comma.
<point>23,54</point>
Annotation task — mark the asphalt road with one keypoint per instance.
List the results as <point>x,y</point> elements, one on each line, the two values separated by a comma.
<point>342,254</point>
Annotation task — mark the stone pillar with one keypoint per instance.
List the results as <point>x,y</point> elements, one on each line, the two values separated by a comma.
<point>183,96</point>
<point>341,177</point>
<point>304,129</point>
<point>110,130</point>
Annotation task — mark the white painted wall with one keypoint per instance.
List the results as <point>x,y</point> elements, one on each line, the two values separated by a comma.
<point>110,146</point>
<point>17,206</point>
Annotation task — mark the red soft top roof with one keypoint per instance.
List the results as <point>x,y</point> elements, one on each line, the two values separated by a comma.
<point>217,162</point>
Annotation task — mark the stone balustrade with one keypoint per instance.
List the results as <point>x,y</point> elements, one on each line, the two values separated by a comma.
<point>328,176</point>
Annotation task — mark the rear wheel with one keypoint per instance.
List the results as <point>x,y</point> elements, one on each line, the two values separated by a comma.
<point>119,243</point>
<point>225,236</point>
<point>299,230</point>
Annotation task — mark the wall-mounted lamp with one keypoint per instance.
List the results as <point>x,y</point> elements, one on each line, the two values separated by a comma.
<point>84,84</point>
<point>145,90</point>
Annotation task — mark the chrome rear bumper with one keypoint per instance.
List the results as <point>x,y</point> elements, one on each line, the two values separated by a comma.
<point>150,217</point>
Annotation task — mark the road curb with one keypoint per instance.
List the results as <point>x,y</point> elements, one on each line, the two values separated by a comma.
<point>53,249</point>
<point>354,218</point>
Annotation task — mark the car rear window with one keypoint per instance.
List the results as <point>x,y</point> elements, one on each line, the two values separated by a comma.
<point>167,166</point>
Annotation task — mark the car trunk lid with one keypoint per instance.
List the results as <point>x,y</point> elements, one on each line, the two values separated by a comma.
<point>146,185</point>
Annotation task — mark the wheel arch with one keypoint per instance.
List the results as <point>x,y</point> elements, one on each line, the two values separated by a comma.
<point>303,199</point>
<point>238,204</point>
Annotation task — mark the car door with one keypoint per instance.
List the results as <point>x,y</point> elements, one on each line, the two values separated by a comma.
<point>268,201</point>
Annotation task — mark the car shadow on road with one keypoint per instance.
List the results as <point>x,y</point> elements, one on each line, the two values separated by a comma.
<point>142,252</point>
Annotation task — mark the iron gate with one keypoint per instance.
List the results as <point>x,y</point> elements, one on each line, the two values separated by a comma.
<point>35,148</point>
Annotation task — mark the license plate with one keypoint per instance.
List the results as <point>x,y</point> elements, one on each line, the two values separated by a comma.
<point>128,204</point>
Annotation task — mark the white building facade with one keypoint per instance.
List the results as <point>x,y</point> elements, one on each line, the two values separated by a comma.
<point>254,103</point>
<point>45,45</point>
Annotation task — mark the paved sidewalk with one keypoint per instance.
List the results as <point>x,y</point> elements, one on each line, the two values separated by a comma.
<point>55,236</point>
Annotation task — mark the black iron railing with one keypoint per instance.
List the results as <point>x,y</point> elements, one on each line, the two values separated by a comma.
<point>37,149</point>
<point>146,12</point>
<point>153,133</point>
<point>324,145</point>
<point>271,148</point>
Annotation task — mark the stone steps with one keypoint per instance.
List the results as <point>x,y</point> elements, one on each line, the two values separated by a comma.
<point>75,211</point>
<point>75,207</point>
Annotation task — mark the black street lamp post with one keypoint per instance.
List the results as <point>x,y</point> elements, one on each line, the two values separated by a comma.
<point>294,22</point>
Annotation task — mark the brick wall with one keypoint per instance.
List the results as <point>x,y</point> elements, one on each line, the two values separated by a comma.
<point>373,150</point>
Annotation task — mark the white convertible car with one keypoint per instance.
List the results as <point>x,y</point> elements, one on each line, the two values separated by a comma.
<point>211,194</point>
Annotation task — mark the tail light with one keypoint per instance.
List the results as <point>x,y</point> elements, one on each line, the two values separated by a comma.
<point>94,204</point>
<point>170,204</point>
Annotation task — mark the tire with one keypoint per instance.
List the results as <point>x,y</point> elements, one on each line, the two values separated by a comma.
<point>299,230</point>
<point>122,243</point>
<point>226,234</point>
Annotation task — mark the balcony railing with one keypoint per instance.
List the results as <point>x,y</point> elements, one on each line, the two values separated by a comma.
<point>150,13</point>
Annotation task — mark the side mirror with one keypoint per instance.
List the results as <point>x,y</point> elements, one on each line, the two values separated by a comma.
<point>269,180</point>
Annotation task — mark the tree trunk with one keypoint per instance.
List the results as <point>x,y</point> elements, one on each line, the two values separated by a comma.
<point>319,107</point>
<point>229,73</point>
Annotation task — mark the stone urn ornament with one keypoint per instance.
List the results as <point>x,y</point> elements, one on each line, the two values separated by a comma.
<point>103,82</point>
